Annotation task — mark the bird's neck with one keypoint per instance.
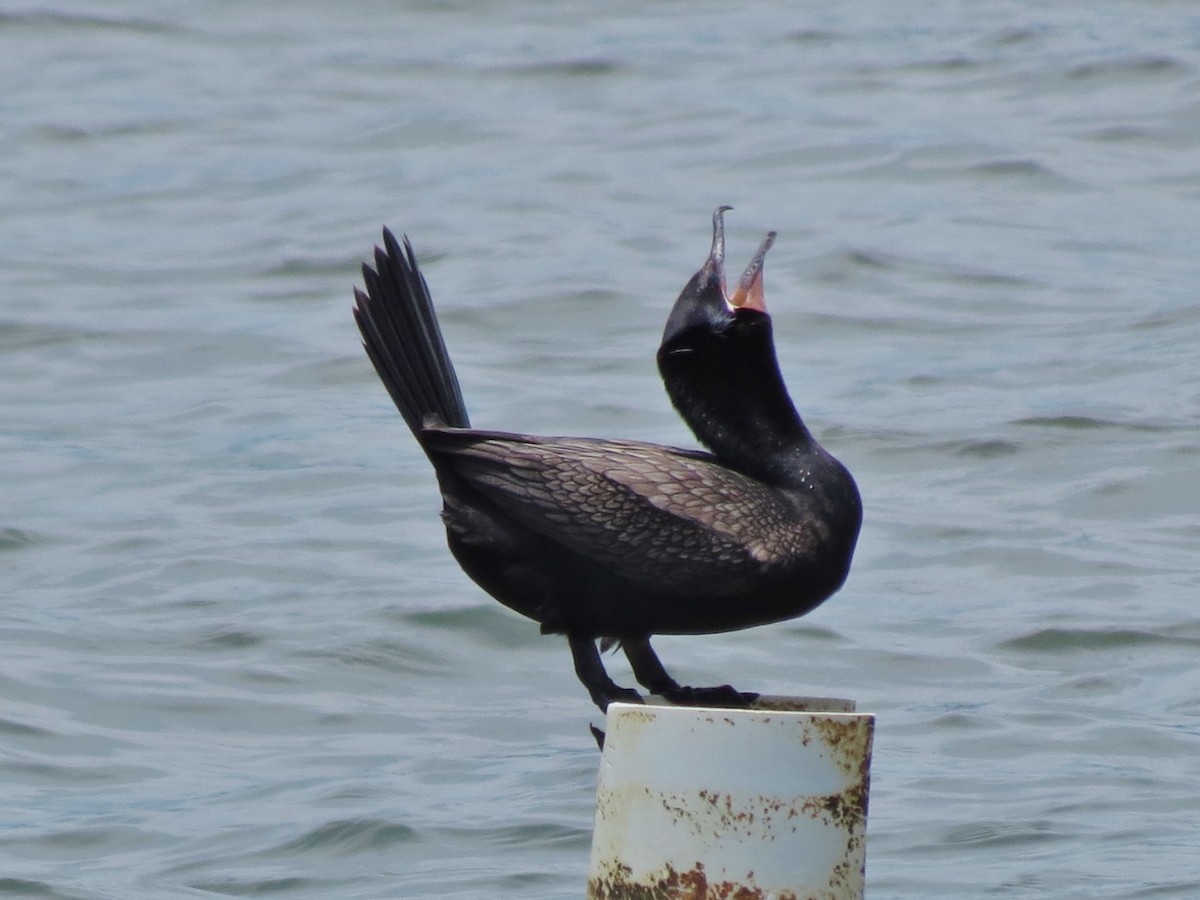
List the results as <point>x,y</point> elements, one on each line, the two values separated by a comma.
<point>737,405</point>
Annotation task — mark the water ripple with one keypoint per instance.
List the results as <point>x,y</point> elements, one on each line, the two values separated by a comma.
<point>1053,640</point>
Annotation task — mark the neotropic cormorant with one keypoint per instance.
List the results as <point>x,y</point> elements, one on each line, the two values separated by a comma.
<point>616,540</point>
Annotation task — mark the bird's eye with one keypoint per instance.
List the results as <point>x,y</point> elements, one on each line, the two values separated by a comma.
<point>722,324</point>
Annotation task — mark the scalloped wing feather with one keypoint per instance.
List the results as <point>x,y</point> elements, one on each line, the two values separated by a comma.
<point>668,520</point>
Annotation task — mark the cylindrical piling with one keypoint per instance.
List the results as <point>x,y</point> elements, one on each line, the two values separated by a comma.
<point>708,803</point>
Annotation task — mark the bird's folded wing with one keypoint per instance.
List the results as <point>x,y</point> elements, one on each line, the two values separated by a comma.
<point>669,520</point>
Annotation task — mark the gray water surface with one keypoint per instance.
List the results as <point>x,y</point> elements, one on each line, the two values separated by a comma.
<point>235,657</point>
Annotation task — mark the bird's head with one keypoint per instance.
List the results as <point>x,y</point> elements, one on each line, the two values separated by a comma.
<point>718,364</point>
<point>706,308</point>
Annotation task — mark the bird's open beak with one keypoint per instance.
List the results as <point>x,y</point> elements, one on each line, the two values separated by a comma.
<point>749,291</point>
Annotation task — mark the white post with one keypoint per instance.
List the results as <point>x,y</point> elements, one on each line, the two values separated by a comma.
<point>766,802</point>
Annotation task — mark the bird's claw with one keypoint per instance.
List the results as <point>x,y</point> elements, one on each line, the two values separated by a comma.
<point>621,695</point>
<point>723,695</point>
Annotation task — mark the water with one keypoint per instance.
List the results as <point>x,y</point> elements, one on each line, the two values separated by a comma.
<point>235,658</point>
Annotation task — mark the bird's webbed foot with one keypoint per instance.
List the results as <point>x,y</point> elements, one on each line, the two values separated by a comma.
<point>602,689</point>
<point>649,671</point>
<point>599,736</point>
<point>723,695</point>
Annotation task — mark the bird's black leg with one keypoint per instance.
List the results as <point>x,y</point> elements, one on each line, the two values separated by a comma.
<point>647,667</point>
<point>591,672</point>
<point>649,671</point>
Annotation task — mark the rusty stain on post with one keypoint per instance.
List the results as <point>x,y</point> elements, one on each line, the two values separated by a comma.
<point>709,804</point>
<point>692,884</point>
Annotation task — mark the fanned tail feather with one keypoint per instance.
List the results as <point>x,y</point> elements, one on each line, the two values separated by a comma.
<point>401,336</point>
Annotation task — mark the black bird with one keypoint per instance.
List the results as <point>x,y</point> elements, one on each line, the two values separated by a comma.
<point>617,540</point>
